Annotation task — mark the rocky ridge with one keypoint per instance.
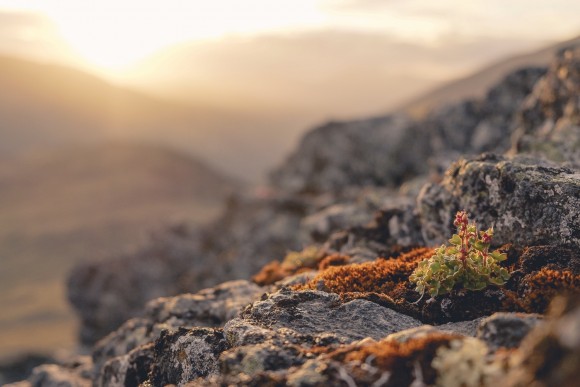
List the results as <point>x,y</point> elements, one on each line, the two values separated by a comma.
<point>367,196</point>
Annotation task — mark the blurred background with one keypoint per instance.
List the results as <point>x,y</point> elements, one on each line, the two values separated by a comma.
<point>120,117</point>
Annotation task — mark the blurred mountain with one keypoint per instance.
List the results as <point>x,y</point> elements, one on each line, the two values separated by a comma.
<point>478,83</point>
<point>79,203</point>
<point>47,105</point>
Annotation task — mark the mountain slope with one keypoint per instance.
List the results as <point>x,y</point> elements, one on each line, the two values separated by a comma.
<point>61,207</point>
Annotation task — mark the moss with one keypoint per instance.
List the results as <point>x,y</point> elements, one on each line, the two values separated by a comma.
<point>540,288</point>
<point>295,262</point>
<point>333,260</point>
<point>403,360</point>
<point>380,276</point>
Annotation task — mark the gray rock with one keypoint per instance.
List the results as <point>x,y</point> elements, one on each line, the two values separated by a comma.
<point>266,356</point>
<point>526,202</point>
<point>104,299</point>
<point>128,370</point>
<point>208,308</point>
<point>312,313</point>
<point>251,232</point>
<point>393,225</point>
<point>506,329</point>
<point>356,153</point>
<point>74,374</point>
<point>465,328</point>
<point>186,355</point>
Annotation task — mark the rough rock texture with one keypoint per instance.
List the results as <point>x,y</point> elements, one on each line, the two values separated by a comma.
<point>312,313</point>
<point>209,308</point>
<point>185,355</point>
<point>526,202</point>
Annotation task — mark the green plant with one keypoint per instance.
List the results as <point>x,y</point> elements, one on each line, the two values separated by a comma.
<point>466,264</point>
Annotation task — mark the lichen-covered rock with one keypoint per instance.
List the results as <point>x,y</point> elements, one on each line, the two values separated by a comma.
<point>131,369</point>
<point>211,307</point>
<point>526,202</point>
<point>186,355</point>
<point>507,330</point>
<point>393,227</point>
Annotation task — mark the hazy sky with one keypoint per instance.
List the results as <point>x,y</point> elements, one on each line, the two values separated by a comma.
<point>114,34</point>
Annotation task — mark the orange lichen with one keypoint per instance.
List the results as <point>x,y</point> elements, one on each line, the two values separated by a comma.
<point>380,276</point>
<point>542,286</point>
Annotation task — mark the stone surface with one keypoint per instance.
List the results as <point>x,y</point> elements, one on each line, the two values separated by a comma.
<point>357,153</point>
<point>526,202</point>
<point>311,313</point>
<point>186,355</point>
<point>506,329</point>
<point>208,308</point>
<point>73,374</point>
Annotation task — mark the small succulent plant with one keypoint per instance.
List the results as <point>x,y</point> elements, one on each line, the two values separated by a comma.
<point>466,264</point>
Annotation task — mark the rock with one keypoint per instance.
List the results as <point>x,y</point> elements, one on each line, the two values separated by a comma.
<point>128,370</point>
<point>393,226</point>
<point>526,202</point>
<point>75,374</point>
<point>506,329</point>
<point>19,367</point>
<point>208,308</point>
<point>356,153</point>
<point>186,354</point>
<point>315,313</point>
<point>549,124</point>
<point>104,299</point>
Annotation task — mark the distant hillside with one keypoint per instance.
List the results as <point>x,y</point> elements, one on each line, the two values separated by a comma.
<point>60,207</point>
<point>47,105</point>
<point>477,84</point>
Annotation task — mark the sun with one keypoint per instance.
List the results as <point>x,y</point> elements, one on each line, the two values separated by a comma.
<point>112,35</point>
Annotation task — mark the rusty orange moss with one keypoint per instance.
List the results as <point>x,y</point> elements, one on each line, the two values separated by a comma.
<point>380,276</point>
<point>333,260</point>
<point>309,259</point>
<point>399,358</point>
<point>540,288</point>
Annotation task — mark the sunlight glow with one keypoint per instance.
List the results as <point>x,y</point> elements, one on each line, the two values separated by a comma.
<point>113,34</point>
